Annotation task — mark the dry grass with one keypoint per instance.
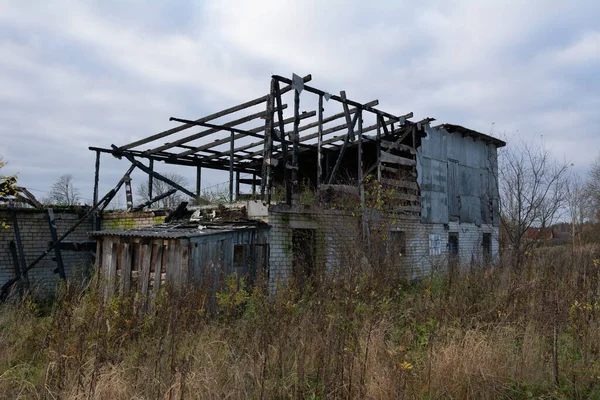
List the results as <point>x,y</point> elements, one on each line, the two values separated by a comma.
<point>491,333</point>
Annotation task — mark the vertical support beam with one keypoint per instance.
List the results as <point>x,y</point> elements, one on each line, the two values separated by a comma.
<point>96,177</point>
<point>150,179</point>
<point>22,260</point>
<point>296,143</point>
<point>13,253</point>
<point>361,186</point>
<point>284,149</point>
<point>57,253</point>
<point>231,148</point>
<point>378,149</point>
<point>128,194</point>
<point>253,185</point>
<point>265,181</point>
<point>198,181</point>
<point>320,142</point>
<point>237,185</point>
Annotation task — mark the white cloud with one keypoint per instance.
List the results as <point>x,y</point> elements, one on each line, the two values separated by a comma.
<point>76,74</point>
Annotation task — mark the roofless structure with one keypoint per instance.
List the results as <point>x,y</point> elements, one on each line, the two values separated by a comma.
<point>295,135</point>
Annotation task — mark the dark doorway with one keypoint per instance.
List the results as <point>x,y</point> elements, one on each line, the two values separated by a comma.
<point>304,242</point>
<point>453,244</point>
<point>486,246</point>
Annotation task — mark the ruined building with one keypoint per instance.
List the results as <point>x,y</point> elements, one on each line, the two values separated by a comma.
<point>330,176</point>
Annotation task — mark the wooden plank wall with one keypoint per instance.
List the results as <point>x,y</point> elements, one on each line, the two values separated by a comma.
<point>143,266</point>
<point>140,265</point>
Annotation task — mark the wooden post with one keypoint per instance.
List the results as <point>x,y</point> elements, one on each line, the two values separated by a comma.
<point>198,181</point>
<point>237,185</point>
<point>265,181</point>
<point>320,142</point>
<point>378,149</point>
<point>96,177</point>
<point>13,253</point>
<point>284,149</point>
<point>361,186</point>
<point>22,260</point>
<point>57,253</point>
<point>231,148</point>
<point>253,185</point>
<point>296,143</point>
<point>128,194</point>
<point>150,179</point>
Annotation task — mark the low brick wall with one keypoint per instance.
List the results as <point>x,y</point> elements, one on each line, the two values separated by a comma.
<point>35,236</point>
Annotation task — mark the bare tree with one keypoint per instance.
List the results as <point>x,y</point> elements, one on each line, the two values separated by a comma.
<point>159,188</point>
<point>577,204</point>
<point>64,192</point>
<point>532,188</point>
<point>592,191</point>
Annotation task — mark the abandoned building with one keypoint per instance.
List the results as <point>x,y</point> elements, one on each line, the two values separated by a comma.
<point>329,177</point>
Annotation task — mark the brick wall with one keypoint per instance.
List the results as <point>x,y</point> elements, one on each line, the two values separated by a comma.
<point>35,235</point>
<point>338,241</point>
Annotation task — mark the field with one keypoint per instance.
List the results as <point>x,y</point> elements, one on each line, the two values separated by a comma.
<point>480,332</point>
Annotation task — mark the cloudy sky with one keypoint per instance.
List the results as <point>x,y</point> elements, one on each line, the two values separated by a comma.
<point>79,74</point>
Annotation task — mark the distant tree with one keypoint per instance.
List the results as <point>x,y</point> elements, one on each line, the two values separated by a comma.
<point>160,187</point>
<point>592,190</point>
<point>533,191</point>
<point>64,192</point>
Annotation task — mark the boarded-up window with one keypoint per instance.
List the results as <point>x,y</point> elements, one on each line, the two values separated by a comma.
<point>452,180</point>
<point>435,244</point>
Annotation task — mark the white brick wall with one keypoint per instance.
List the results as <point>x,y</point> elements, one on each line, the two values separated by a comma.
<point>338,244</point>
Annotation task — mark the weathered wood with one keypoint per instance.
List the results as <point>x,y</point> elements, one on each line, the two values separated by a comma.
<point>282,139</point>
<point>158,176</point>
<point>378,149</point>
<point>219,114</point>
<point>412,209</point>
<point>98,261</point>
<point>171,266</point>
<point>310,89</point>
<point>265,192</point>
<point>398,146</point>
<point>16,268</point>
<point>407,197</point>
<point>231,146</point>
<point>184,265</point>
<point>57,252</point>
<point>157,256</point>
<point>320,142</point>
<point>198,181</point>
<point>96,177</point>
<point>150,179</point>
<point>109,266</point>
<point>239,133</point>
<point>400,183</point>
<point>205,133</point>
<point>306,127</point>
<point>295,141</point>
<point>103,203</point>
<point>346,139</point>
<point>145,260</point>
<point>154,200</point>
<point>237,185</point>
<point>397,170</point>
<point>126,260</point>
<point>20,250</point>
<point>128,194</point>
<point>390,158</point>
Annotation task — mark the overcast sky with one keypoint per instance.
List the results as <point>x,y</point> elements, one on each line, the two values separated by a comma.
<point>79,74</point>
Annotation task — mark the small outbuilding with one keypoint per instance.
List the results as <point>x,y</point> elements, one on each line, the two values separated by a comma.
<point>199,254</point>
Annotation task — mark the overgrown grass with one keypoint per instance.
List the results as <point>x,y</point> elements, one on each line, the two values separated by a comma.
<point>490,333</point>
